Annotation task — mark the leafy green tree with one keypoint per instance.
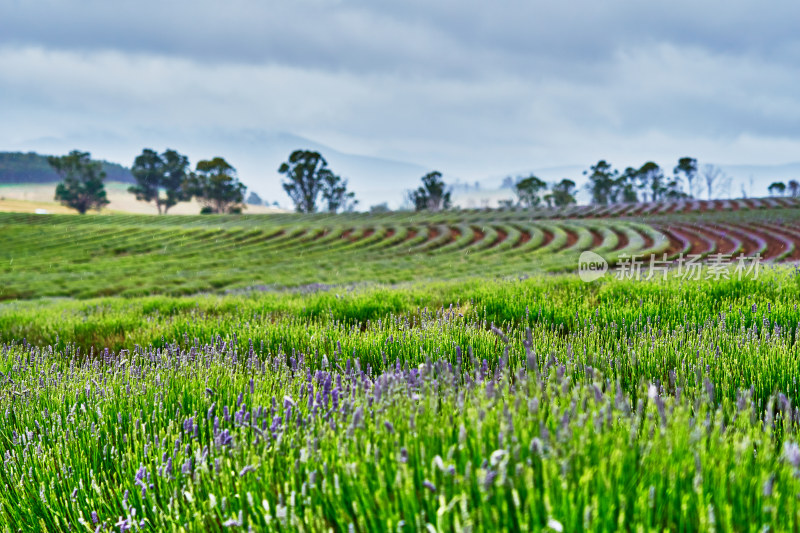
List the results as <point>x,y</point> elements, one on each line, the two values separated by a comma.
<point>602,181</point>
<point>777,188</point>
<point>625,187</point>
<point>651,177</point>
<point>674,191</point>
<point>82,186</point>
<point>794,188</point>
<point>379,208</point>
<point>254,199</point>
<point>528,190</point>
<point>687,168</point>
<point>155,173</point>
<point>336,195</point>
<point>562,194</point>
<point>433,195</point>
<point>215,185</point>
<point>306,174</point>
<point>147,170</point>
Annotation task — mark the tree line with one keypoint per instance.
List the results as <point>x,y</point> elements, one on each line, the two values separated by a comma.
<point>166,179</point>
<point>649,182</point>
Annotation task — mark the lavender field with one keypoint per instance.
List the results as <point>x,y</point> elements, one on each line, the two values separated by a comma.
<point>541,404</point>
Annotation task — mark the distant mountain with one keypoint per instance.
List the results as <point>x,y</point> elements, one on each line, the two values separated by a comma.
<point>18,168</point>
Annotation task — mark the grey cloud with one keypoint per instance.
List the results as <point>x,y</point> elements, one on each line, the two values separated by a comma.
<point>468,87</point>
<point>459,38</point>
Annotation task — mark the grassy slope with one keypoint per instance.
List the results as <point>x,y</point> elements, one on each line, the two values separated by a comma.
<point>137,255</point>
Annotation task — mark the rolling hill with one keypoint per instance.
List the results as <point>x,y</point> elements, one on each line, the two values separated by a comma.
<point>19,167</point>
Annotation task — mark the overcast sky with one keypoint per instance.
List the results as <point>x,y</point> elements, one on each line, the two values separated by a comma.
<point>474,89</point>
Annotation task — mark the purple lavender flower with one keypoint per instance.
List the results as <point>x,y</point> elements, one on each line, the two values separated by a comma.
<point>246,469</point>
<point>791,451</point>
<point>488,481</point>
<point>709,386</point>
<point>233,522</point>
<point>767,489</point>
<point>225,438</point>
<point>123,524</point>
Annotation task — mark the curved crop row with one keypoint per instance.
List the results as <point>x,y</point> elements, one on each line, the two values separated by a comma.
<point>134,255</point>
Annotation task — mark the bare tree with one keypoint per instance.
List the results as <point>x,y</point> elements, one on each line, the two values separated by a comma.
<point>716,180</point>
<point>794,188</point>
<point>725,186</point>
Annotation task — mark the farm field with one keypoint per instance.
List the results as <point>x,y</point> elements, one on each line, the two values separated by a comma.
<point>134,255</point>
<point>398,372</point>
